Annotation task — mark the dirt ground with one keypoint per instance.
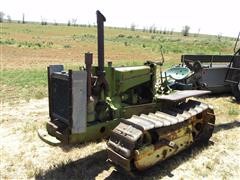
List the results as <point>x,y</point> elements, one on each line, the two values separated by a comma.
<point>24,155</point>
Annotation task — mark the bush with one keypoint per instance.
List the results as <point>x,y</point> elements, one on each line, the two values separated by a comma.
<point>133,26</point>
<point>69,23</point>
<point>44,23</point>
<point>67,46</point>
<point>153,37</point>
<point>126,43</point>
<point>185,30</point>
<point>121,35</point>
<point>1,16</point>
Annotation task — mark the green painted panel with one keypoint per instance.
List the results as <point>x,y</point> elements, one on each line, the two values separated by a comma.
<point>129,83</point>
<point>94,132</point>
<point>124,73</point>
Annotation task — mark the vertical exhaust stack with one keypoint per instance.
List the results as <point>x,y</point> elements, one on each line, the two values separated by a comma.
<point>100,31</point>
<point>101,83</point>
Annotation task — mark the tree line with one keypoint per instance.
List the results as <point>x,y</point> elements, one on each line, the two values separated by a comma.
<point>73,22</point>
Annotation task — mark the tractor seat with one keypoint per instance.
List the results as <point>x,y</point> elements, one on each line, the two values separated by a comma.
<point>177,73</point>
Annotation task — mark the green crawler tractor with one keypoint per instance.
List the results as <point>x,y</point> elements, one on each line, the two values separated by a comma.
<point>145,120</point>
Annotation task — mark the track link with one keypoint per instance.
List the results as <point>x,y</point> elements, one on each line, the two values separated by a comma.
<point>142,141</point>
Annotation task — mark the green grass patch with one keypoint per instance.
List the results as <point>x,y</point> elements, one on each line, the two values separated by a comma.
<point>67,46</point>
<point>23,84</point>
<point>59,35</point>
<point>233,112</point>
<point>27,44</point>
<point>7,41</point>
<point>24,78</point>
<point>134,47</point>
<point>173,44</point>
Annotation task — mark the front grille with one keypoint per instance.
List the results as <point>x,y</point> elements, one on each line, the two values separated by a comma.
<point>60,98</point>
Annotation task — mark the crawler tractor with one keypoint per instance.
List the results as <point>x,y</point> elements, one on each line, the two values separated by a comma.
<point>145,120</point>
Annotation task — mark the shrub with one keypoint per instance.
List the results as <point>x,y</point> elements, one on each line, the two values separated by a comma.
<point>233,112</point>
<point>67,46</point>
<point>44,23</point>
<point>121,35</point>
<point>133,26</point>
<point>1,16</point>
<point>153,37</point>
<point>69,23</point>
<point>185,30</point>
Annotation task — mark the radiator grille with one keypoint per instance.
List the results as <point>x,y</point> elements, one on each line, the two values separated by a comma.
<point>60,99</point>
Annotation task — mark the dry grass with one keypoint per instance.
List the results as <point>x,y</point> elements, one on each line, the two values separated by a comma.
<point>24,155</point>
<point>27,49</point>
<point>25,46</point>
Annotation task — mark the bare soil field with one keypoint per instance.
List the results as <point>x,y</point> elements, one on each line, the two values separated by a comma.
<point>24,155</point>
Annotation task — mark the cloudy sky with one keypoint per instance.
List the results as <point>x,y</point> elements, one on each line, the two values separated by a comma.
<point>210,16</point>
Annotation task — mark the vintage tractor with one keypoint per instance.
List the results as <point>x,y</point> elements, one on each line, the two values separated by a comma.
<point>216,73</point>
<point>151,121</point>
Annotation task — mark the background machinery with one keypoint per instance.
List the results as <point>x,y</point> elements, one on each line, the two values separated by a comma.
<point>216,73</point>
<point>151,122</point>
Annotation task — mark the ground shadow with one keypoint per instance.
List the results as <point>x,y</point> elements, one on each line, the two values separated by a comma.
<point>90,166</point>
<point>69,147</point>
<point>85,168</point>
<point>215,95</point>
<point>227,126</point>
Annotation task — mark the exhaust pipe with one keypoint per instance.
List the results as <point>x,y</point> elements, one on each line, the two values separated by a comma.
<point>101,83</point>
<point>100,31</point>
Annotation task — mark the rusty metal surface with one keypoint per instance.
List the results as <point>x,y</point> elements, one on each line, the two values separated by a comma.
<point>46,137</point>
<point>117,158</point>
<point>139,140</point>
<point>181,95</point>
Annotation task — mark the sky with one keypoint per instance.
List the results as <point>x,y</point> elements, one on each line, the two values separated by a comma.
<point>216,17</point>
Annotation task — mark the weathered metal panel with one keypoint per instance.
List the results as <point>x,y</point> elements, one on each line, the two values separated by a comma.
<point>128,111</point>
<point>55,68</point>
<point>150,155</point>
<point>208,58</point>
<point>125,73</point>
<point>140,123</point>
<point>79,101</point>
<point>155,144</point>
<point>180,95</point>
<point>213,77</point>
<point>60,98</point>
<point>51,69</point>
